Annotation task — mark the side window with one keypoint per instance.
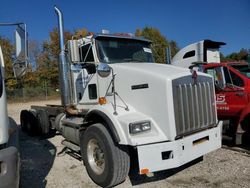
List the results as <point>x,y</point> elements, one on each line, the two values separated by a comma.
<point>233,78</point>
<point>218,75</point>
<point>86,53</point>
<point>211,72</point>
<point>189,54</point>
<point>92,91</point>
<point>227,76</point>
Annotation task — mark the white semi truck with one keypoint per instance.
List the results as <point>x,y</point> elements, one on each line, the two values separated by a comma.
<point>9,141</point>
<point>199,52</point>
<point>116,101</point>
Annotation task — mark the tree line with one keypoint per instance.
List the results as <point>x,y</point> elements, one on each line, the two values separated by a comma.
<point>242,55</point>
<point>44,57</point>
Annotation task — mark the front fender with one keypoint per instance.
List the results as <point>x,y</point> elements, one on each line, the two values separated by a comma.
<point>121,123</point>
<point>107,113</point>
<point>96,116</point>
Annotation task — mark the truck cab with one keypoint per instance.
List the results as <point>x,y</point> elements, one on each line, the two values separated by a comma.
<point>9,139</point>
<point>119,105</point>
<point>231,81</point>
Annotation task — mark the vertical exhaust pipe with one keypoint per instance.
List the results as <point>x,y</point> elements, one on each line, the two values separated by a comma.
<point>64,73</point>
<point>168,55</point>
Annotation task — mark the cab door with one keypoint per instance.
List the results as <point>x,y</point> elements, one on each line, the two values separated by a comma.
<point>85,82</point>
<point>236,96</point>
<point>230,94</point>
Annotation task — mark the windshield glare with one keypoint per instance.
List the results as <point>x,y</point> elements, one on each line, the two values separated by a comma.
<point>243,69</point>
<point>119,50</point>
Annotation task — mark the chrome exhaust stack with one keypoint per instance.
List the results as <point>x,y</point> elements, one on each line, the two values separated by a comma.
<point>64,73</point>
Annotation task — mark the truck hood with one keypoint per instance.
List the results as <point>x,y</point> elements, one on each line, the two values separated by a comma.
<point>147,88</point>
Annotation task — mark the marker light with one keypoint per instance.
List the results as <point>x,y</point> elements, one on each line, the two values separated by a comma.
<point>144,171</point>
<point>102,100</point>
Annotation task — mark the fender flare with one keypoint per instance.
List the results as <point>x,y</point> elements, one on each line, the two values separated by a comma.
<point>98,116</point>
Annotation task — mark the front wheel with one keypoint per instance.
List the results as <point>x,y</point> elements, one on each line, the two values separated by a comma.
<point>107,163</point>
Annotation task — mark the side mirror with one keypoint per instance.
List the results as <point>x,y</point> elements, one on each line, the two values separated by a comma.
<point>217,86</point>
<point>19,68</point>
<point>103,70</point>
<point>20,62</point>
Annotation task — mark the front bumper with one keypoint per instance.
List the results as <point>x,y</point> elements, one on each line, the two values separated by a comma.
<point>9,164</point>
<point>10,159</point>
<point>167,155</point>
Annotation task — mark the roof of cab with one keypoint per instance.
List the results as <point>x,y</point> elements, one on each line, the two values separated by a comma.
<point>122,36</point>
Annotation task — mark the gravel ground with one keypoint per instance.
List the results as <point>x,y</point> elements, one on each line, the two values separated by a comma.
<point>45,165</point>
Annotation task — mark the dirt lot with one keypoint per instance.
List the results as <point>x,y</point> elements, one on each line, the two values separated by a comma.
<point>44,166</point>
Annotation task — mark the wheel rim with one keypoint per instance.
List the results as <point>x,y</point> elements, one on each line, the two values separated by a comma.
<point>95,156</point>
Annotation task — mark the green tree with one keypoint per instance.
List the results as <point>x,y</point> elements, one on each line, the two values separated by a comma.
<point>174,48</point>
<point>159,43</point>
<point>8,51</point>
<point>242,55</point>
<point>48,59</point>
<point>52,46</point>
<point>79,33</point>
<point>138,32</point>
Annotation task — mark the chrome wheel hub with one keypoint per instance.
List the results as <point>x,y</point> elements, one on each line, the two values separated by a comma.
<point>95,156</point>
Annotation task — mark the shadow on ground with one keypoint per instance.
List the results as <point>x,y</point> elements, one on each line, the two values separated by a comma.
<point>246,141</point>
<point>37,158</point>
<point>137,179</point>
<point>228,142</point>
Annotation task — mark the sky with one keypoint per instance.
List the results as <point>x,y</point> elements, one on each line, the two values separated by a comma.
<point>185,22</point>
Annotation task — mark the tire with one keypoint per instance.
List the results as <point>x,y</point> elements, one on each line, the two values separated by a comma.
<point>245,123</point>
<point>23,119</point>
<point>44,122</point>
<point>97,146</point>
<point>29,123</point>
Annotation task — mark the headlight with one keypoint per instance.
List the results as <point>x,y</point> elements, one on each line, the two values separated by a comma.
<point>138,127</point>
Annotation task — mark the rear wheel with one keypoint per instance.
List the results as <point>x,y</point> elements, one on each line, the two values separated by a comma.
<point>44,122</point>
<point>107,163</point>
<point>29,122</point>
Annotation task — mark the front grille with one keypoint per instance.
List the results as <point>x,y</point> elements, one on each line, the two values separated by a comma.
<point>194,104</point>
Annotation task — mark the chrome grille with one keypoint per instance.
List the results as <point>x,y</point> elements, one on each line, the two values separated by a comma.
<point>194,104</point>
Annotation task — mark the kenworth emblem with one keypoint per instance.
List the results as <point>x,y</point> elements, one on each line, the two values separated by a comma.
<point>194,76</point>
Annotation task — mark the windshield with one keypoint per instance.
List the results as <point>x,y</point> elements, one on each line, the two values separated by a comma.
<point>244,69</point>
<point>120,50</point>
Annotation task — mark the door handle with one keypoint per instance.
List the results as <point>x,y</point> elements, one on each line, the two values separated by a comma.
<point>240,94</point>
